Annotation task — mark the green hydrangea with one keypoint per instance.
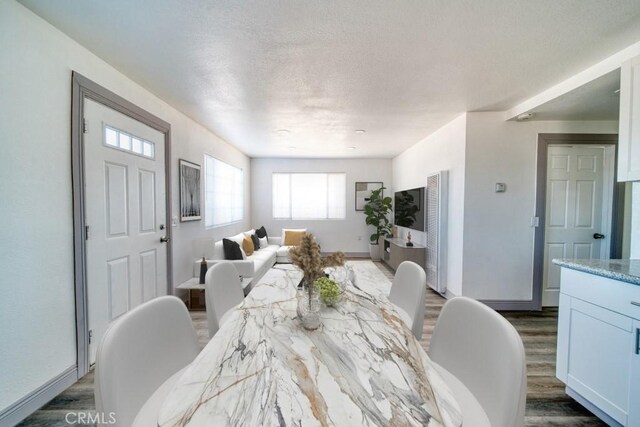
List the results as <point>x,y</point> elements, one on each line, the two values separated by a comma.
<point>329,290</point>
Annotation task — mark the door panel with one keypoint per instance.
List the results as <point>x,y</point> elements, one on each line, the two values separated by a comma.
<point>578,205</point>
<point>125,213</point>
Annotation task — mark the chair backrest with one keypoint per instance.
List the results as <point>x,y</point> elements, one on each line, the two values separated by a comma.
<point>484,351</point>
<point>408,291</point>
<point>138,352</point>
<point>223,291</point>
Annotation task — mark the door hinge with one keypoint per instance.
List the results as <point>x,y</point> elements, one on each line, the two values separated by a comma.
<point>86,232</point>
<point>90,335</point>
<point>85,126</point>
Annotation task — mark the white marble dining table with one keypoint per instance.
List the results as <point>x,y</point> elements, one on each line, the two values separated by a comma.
<point>362,367</point>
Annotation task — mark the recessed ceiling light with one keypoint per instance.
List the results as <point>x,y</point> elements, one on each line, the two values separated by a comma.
<point>360,131</point>
<point>282,131</point>
<point>351,148</point>
<point>292,148</point>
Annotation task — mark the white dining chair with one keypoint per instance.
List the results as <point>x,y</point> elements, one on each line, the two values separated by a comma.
<point>408,293</point>
<point>480,352</point>
<point>140,356</point>
<point>223,292</point>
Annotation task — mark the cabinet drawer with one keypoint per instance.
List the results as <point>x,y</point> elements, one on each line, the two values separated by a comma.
<point>614,295</point>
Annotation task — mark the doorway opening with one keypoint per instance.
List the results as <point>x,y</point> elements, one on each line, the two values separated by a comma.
<point>579,206</point>
<point>129,202</point>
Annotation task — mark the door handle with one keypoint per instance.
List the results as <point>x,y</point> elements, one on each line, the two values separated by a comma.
<point>164,239</point>
<point>598,236</point>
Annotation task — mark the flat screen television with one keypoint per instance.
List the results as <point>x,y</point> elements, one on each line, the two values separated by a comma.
<point>409,209</point>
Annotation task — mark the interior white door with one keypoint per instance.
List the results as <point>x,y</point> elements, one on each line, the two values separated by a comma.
<point>125,216</point>
<point>578,209</point>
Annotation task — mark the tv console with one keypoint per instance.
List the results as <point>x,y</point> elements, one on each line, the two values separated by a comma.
<point>396,250</point>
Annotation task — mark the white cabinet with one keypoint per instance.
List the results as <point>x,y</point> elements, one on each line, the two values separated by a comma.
<point>598,337</point>
<point>634,390</point>
<point>629,136</point>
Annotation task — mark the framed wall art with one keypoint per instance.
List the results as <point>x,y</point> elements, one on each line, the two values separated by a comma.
<point>190,206</point>
<point>363,191</point>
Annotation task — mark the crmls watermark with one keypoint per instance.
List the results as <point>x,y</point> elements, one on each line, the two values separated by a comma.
<point>90,418</point>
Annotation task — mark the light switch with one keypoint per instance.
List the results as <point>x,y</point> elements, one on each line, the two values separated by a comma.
<point>174,221</point>
<point>501,187</point>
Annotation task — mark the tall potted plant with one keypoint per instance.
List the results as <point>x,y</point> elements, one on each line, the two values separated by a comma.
<point>377,212</point>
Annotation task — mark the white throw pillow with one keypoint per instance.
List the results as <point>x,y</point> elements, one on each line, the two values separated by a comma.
<point>284,230</point>
<point>263,242</point>
<point>250,232</point>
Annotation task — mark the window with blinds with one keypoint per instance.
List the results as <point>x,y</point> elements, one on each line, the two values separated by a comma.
<point>224,193</point>
<point>309,195</point>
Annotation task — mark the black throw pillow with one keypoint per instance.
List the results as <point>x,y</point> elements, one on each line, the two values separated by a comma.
<point>231,250</point>
<point>261,232</point>
<point>256,242</point>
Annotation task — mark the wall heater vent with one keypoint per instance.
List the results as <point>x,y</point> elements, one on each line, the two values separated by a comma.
<point>436,230</point>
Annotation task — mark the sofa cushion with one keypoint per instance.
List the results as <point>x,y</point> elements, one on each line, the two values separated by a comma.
<point>264,242</point>
<point>292,237</point>
<point>231,250</point>
<point>282,254</point>
<point>261,232</point>
<point>256,241</point>
<point>247,246</point>
<point>238,238</point>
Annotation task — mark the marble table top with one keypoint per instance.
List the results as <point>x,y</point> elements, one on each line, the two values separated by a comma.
<point>363,366</point>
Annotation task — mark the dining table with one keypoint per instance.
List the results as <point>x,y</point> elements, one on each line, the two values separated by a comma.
<point>361,367</point>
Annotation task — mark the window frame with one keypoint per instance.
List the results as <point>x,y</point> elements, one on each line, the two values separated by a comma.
<point>290,217</point>
<point>208,214</point>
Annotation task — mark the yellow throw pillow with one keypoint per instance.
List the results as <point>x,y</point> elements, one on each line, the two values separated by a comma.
<point>293,238</point>
<point>247,245</point>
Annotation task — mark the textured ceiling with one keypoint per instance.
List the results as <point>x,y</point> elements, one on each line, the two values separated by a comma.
<point>596,100</point>
<point>322,69</point>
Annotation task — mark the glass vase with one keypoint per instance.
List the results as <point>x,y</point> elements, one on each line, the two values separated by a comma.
<point>309,308</point>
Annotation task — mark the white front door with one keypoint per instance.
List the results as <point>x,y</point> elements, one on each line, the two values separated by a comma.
<point>578,209</point>
<point>125,216</point>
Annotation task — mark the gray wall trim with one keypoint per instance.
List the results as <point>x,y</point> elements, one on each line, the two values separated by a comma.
<point>24,407</point>
<point>82,88</point>
<point>511,305</point>
<point>356,254</point>
<point>544,140</point>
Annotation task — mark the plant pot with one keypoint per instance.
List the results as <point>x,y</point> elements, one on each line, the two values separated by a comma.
<point>374,252</point>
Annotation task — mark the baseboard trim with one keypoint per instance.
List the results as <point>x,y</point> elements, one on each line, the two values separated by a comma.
<point>511,305</point>
<point>24,407</point>
<point>448,294</point>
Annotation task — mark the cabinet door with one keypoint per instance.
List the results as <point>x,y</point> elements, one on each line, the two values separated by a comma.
<point>634,378</point>
<point>629,136</point>
<point>598,363</point>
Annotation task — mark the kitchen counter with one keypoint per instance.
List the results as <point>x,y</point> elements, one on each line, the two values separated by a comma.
<point>624,270</point>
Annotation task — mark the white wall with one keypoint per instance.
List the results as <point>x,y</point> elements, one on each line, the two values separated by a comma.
<point>37,310</point>
<point>348,235</point>
<point>498,237</point>
<point>443,150</point>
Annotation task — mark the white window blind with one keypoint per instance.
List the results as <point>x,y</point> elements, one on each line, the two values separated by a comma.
<point>224,192</point>
<point>309,195</point>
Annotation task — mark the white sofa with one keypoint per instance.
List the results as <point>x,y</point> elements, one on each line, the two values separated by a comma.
<point>252,268</point>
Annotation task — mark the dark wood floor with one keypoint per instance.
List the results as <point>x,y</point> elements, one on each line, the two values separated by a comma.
<point>547,404</point>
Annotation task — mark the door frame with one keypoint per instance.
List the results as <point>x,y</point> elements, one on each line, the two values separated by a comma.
<point>544,140</point>
<point>82,88</point>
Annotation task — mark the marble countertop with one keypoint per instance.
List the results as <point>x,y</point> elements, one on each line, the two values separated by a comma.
<point>363,366</point>
<point>624,270</point>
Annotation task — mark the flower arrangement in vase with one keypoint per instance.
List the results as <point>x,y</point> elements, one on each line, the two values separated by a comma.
<point>307,257</point>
